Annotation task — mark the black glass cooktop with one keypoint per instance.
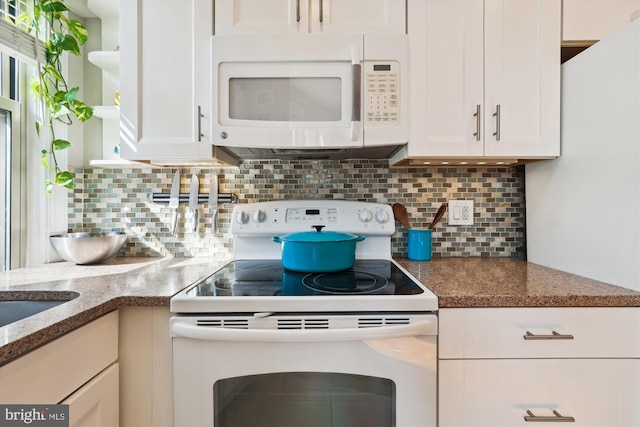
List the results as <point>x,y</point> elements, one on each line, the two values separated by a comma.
<point>269,278</point>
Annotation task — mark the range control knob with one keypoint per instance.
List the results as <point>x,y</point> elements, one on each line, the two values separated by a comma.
<point>382,217</point>
<point>259,216</point>
<point>242,217</point>
<point>365,215</point>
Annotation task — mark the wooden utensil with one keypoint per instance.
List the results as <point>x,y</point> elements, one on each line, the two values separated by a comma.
<point>439,215</point>
<point>400,213</point>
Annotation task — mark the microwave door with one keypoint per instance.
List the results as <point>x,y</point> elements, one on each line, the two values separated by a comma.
<point>283,100</point>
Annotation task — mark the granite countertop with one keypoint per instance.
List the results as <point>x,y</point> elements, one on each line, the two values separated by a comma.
<point>102,288</point>
<point>508,282</point>
<point>129,281</point>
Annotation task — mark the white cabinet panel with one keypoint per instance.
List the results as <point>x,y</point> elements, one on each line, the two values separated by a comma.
<point>96,403</point>
<point>447,80</point>
<point>595,392</point>
<point>260,16</point>
<point>165,79</point>
<point>304,16</point>
<point>468,57</point>
<point>54,371</point>
<point>473,333</point>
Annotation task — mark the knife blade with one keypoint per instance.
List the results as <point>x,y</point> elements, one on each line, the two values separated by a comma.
<point>174,201</point>
<point>213,202</point>
<point>193,201</point>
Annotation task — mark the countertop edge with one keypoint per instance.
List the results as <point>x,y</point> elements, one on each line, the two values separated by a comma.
<point>49,333</point>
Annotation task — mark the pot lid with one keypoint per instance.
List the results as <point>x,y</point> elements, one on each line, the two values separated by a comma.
<point>320,236</point>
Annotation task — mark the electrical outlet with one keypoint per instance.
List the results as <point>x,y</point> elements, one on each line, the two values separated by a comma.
<point>460,212</point>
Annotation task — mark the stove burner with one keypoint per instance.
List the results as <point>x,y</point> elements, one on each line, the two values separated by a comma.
<point>345,282</point>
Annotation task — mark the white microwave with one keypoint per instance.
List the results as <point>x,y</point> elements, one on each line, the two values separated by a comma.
<point>309,91</point>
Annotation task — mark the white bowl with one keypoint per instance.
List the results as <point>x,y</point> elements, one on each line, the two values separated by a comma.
<point>88,248</point>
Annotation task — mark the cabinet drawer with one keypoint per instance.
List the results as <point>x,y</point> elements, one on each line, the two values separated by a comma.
<point>478,333</point>
<point>54,371</point>
<point>595,392</point>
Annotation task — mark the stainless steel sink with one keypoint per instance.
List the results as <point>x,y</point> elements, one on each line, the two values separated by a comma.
<point>17,305</point>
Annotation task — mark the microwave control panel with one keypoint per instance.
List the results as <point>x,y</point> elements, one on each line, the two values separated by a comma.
<point>381,92</point>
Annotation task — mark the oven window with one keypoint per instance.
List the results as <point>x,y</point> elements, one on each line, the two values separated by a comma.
<point>306,399</point>
<point>286,99</point>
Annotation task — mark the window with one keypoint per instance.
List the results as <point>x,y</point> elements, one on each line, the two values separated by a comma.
<point>13,171</point>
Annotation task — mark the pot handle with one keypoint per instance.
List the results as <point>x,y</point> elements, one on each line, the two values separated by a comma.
<point>359,238</point>
<point>276,239</point>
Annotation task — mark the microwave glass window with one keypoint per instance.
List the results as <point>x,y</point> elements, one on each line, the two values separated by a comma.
<point>285,99</point>
<point>304,399</point>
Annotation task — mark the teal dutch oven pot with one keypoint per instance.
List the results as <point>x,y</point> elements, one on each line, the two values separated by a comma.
<point>318,251</point>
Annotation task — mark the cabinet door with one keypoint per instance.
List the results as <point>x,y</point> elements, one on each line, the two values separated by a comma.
<point>595,392</point>
<point>96,403</point>
<point>446,56</point>
<point>261,16</point>
<point>591,20</point>
<point>165,79</point>
<point>522,78</point>
<point>358,16</point>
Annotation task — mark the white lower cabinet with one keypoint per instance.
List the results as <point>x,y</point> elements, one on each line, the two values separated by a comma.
<point>96,403</point>
<point>511,366</point>
<point>63,367</point>
<point>146,367</point>
<point>499,392</point>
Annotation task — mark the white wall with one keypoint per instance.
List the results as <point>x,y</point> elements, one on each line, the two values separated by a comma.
<point>583,209</point>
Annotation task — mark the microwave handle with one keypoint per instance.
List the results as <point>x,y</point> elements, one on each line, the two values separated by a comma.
<point>356,81</point>
<point>186,330</point>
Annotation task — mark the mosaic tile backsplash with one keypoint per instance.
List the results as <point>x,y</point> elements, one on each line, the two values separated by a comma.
<point>118,199</point>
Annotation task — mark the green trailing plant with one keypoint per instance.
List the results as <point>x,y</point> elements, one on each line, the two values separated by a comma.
<point>60,101</point>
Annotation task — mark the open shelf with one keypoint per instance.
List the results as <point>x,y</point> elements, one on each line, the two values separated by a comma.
<point>108,61</point>
<point>106,111</point>
<point>104,8</point>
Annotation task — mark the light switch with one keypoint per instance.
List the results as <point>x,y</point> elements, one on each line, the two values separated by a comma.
<point>460,212</point>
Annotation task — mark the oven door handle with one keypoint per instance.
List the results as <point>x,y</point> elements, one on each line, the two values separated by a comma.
<point>187,330</point>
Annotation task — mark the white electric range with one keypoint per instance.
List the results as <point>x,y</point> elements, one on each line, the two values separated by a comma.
<point>257,344</point>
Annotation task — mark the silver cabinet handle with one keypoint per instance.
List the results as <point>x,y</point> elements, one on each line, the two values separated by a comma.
<point>497,116</point>
<point>200,116</point>
<point>555,418</point>
<point>321,11</point>
<point>477,116</point>
<point>297,10</point>
<point>554,336</point>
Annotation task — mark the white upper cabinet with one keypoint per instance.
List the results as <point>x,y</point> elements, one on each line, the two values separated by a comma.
<point>485,79</point>
<point>310,16</point>
<point>592,20</point>
<point>165,79</point>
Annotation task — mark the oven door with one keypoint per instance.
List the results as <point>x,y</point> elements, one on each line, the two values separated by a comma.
<point>315,370</point>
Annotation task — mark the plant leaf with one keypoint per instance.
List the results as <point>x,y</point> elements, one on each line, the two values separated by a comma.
<point>48,186</point>
<point>82,111</point>
<point>79,31</point>
<point>52,71</point>
<point>60,144</point>
<point>64,178</point>
<point>43,159</point>
<point>38,124</point>
<point>71,94</point>
<point>70,44</point>
<point>49,6</point>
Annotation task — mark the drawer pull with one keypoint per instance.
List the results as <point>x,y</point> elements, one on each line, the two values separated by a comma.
<point>554,336</point>
<point>555,418</point>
